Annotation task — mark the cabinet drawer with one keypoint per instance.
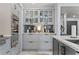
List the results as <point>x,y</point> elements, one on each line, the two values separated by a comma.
<point>30,42</point>
<point>30,37</point>
<point>45,37</point>
<point>46,45</point>
<point>32,45</point>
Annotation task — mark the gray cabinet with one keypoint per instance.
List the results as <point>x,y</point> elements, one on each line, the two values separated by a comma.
<point>37,42</point>
<point>61,49</point>
<point>55,47</point>
<point>45,42</point>
<point>30,42</point>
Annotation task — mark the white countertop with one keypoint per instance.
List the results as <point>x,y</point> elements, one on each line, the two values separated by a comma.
<point>64,40</point>
<point>40,33</point>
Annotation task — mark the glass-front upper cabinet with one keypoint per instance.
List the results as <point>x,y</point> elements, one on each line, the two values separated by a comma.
<point>44,17</point>
<point>41,20</point>
<point>50,13</point>
<point>31,13</point>
<point>45,13</point>
<point>35,20</point>
<point>36,13</point>
<point>39,15</point>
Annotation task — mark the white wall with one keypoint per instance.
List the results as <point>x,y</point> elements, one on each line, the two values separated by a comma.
<point>5,19</point>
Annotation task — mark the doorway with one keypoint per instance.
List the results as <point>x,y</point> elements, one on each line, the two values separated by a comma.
<point>69,24</point>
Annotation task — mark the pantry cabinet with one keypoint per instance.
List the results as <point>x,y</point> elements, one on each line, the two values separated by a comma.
<point>39,16</point>
<point>38,26</point>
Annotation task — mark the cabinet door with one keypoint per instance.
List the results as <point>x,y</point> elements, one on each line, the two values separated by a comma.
<point>45,42</point>
<point>24,41</point>
<point>30,42</point>
<point>55,47</point>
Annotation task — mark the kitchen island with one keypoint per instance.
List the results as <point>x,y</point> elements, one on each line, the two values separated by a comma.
<point>67,41</point>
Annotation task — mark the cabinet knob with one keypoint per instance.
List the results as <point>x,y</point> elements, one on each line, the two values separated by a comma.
<point>30,41</point>
<point>7,51</point>
<point>46,41</point>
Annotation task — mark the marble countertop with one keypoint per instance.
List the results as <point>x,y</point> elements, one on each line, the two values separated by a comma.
<point>40,33</point>
<point>64,40</point>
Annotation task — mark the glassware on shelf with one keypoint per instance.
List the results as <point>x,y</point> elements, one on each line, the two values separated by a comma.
<point>31,20</point>
<point>50,19</point>
<point>36,13</point>
<point>45,29</point>
<point>26,13</point>
<point>41,19</point>
<point>31,13</point>
<point>41,13</point>
<point>35,20</point>
<point>46,20</point>
<point>27,30</point>
<point>45,13</point>
<point>26,20</point>
<point>50,13</point>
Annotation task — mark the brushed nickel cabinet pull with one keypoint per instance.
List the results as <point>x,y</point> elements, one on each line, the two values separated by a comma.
<point>30,41</point>
<point>46,41</point>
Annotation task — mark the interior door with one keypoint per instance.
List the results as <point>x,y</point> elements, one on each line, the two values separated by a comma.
<point>69,24</point>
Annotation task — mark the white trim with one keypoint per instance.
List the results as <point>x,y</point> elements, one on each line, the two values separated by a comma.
<point>20,28</point>
<point>68,4</point>
<point>71,19</point>
<point>58,13</point>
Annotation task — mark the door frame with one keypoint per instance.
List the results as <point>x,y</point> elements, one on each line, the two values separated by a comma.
<point>71,19</point>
